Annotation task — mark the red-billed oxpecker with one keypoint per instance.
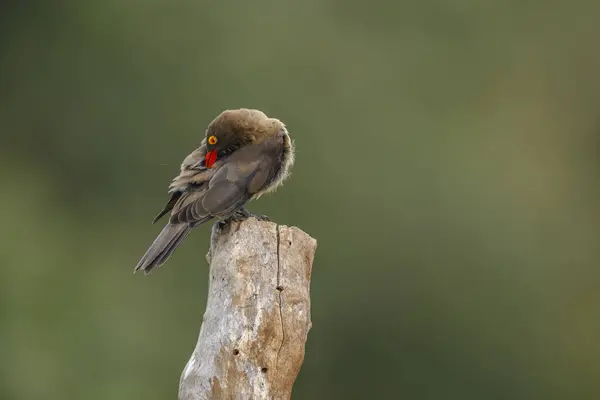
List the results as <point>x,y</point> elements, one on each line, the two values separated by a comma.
<point>243,155</point>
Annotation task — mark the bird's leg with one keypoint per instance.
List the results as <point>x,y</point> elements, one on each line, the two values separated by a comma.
<point>262,217</point>
<point>242,214</point>
<point>239,215</point>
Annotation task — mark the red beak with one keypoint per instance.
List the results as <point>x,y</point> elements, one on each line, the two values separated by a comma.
<point>211,157</point>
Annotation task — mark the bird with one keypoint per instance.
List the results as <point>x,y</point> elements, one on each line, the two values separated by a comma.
<point>243,155</point>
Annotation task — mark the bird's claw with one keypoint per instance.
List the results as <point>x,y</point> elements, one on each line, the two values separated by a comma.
<point>243,214</point>
<point>240,215</point>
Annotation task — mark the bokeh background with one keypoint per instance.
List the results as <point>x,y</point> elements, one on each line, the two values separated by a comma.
<point>447,162</point>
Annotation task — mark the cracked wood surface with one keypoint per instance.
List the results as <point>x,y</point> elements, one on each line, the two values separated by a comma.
<point>257,318</point>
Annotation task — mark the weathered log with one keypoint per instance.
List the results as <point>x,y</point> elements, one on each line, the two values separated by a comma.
<point>257,318</point>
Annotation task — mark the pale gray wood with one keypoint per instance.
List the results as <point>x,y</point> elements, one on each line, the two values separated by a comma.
<point>257,318</point>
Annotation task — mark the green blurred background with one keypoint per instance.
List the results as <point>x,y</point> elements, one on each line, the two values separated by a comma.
<point>447,162</point>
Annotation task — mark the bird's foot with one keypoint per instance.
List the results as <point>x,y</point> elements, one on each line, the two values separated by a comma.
<point>262,217</point>
<point>243,214</point>
<point>240,215</point>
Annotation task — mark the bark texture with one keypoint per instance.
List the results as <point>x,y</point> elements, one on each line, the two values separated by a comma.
<point>257,318</point>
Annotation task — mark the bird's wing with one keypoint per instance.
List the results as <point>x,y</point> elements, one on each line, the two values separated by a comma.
<point>243,174</point>
<point>193,173</point>
<point>195,158</point>
<point>188,209</point>
<point>169,206</point>
<point>228,189</point>
<point>193,170</point>
<point>247,172</point>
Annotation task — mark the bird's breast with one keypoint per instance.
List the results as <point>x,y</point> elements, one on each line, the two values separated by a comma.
<point>286,161</point>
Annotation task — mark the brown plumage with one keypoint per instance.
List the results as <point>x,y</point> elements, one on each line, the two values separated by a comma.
<point>243,155</point>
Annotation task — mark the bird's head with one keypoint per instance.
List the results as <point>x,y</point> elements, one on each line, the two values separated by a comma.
<point>233,129</point>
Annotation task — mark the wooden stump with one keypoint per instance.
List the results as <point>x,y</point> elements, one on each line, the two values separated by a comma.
<point>257,318</point>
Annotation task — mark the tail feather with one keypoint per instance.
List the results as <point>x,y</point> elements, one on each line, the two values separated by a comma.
<point>163,246</point>
<point>176,241</point>
<point>167,251</point>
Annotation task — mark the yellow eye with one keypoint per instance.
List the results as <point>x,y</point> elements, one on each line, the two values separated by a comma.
<point>212,140</point>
